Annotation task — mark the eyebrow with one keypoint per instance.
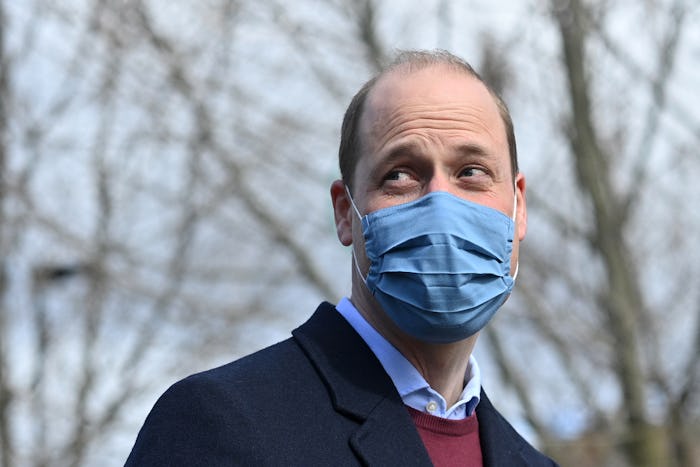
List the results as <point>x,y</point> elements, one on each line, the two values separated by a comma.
<point>470,149</point>
<point>411,148</point>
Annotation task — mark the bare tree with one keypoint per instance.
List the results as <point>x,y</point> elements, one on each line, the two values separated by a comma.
<point>163,191</point>
<point>5,396</point>
<point>595,297</point>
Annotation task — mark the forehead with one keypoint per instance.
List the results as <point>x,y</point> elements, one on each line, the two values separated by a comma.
<point>437,98</point>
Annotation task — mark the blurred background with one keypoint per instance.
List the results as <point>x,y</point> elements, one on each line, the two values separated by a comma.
<point>164,208</point>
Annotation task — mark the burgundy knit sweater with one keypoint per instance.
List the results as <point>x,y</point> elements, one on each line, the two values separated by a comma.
<point>449,442</point>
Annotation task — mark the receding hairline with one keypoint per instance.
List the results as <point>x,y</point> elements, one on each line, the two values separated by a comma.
<point>407,63</point>
<point>410,69</point>
<point>386,82</point>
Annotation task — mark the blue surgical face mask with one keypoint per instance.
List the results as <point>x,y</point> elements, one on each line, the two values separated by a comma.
<point>439,265</point>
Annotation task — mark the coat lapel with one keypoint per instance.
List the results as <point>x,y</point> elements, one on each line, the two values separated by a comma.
<point>500,445</point>
<point>361,390</point>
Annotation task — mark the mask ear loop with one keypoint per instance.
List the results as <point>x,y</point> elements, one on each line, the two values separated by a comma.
<point>515,212</point>
<point>352,202</point>
<point>354,255</point>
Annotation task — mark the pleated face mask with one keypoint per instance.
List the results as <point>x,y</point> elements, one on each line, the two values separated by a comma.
<point>439,265</point>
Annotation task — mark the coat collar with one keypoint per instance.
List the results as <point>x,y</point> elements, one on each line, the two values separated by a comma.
<point>361,390</point>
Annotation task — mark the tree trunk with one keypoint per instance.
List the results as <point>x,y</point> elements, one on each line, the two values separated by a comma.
<point>5,395</point>
<point>622,299</point>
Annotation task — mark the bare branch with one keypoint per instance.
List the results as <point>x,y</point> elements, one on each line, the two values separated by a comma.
<point>366,24</point>
<point>514,378</point>
<point>6,396</point>
<point>279,232</point>
<point>295,35</point>
<point>623,299</point>
<point>659,85</point>
<point>98,290</point>
<point>682,115</point>
<point>564,349</point>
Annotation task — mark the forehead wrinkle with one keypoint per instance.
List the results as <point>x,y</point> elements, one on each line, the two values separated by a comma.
<point>463,119</point>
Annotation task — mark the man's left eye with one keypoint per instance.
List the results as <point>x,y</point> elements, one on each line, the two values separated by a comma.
<point>472,172</point>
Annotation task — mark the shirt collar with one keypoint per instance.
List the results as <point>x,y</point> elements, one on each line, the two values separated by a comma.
<point>410,384</point>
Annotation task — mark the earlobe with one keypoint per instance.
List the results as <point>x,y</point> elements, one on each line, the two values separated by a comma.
<point>342,211</point>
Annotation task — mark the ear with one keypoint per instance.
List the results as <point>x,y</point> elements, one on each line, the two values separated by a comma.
<point>342,210</point>
<point>521,211</point>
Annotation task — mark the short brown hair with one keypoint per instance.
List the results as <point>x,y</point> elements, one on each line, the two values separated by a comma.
<point>412,60</point>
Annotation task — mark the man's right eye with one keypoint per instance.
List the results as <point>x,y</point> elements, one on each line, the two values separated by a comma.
<point>393,175</point>
<point>400,181</point>
<point>397,175</point>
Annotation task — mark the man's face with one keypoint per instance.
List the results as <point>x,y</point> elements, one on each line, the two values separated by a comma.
<point>432,130</point>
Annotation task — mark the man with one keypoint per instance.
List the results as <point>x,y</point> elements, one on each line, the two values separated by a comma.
<point>433,205</point>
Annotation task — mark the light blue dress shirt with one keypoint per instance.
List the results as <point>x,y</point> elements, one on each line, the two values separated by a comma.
<point>410,384</point>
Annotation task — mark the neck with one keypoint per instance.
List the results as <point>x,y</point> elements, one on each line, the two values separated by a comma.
<point>442,365</point>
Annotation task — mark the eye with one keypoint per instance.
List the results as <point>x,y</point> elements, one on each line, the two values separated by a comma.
<point>400,181</point>
<point>473,172</point>
<point>397,176</point>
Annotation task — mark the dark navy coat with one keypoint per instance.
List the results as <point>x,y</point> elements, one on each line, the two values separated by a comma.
<point>319,398</point>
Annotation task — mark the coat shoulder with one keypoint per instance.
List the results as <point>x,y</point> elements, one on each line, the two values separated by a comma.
<point>205,411</point>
